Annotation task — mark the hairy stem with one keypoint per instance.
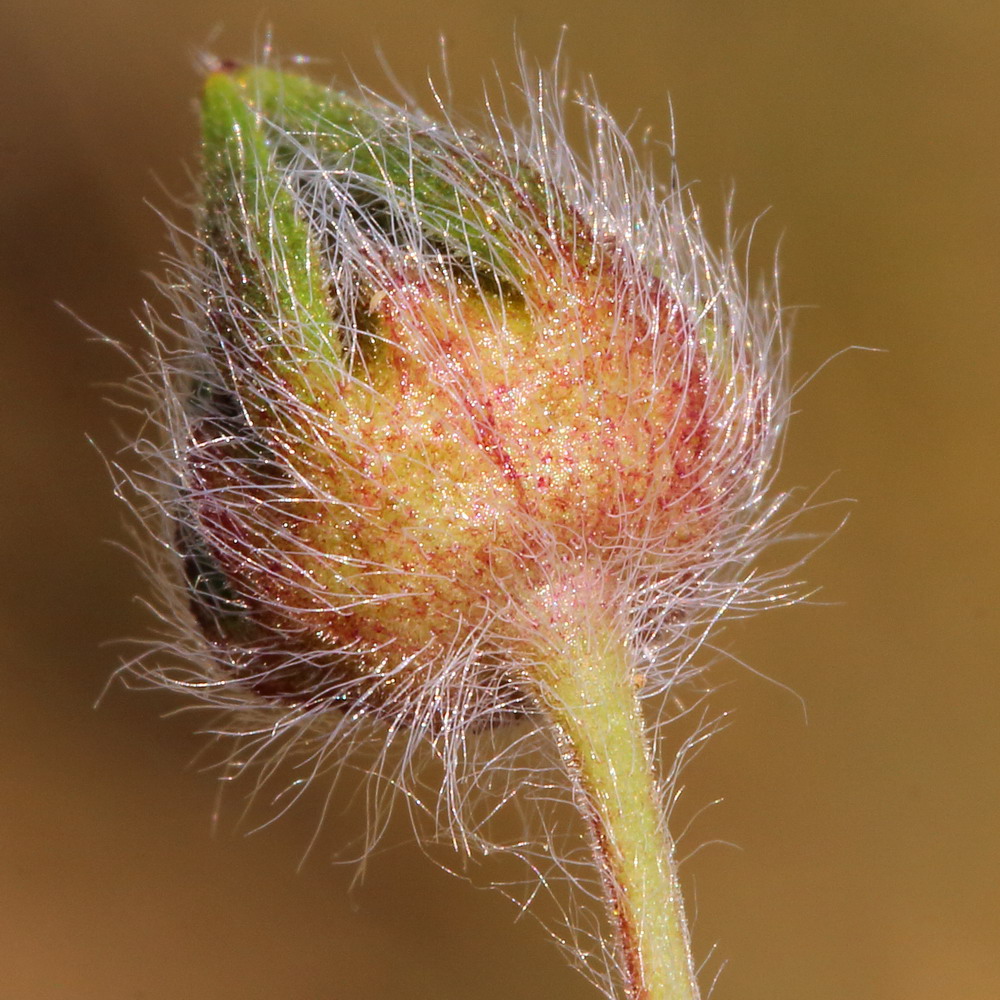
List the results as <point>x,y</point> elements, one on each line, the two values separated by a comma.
<point>590,692</point>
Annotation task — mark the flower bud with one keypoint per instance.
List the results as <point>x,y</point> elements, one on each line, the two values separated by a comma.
<point>432,383</point>
<point>459,430</point>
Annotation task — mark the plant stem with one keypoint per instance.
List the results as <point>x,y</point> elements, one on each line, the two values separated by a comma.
<point>590,692</point>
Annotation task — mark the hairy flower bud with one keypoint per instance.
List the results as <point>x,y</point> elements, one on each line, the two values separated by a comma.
<point>434,377</point>
<point>461,430</point>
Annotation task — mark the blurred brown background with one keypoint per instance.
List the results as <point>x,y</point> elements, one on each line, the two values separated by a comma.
<point>861,854</point>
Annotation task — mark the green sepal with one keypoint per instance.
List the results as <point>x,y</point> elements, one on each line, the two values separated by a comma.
<point>271,297</point>
<point>478,205</point>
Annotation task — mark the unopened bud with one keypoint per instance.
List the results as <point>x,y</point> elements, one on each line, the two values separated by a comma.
<point>460,430</point>
<point>436,379</point>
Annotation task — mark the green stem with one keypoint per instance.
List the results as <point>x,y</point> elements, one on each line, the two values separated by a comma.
<point>590,692</point>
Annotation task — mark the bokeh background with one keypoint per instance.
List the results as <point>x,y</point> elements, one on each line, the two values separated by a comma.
<point>852,847</point>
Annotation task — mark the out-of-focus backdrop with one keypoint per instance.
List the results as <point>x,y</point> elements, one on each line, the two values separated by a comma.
<point>854,849</point>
